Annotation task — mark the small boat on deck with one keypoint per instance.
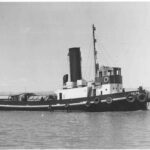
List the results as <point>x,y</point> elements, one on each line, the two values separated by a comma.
<point>104,93</point>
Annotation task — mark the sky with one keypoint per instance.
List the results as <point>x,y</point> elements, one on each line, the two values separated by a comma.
<point>35,39</point>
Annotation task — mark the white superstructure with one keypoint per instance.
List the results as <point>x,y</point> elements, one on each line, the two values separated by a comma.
<point>78,92</point>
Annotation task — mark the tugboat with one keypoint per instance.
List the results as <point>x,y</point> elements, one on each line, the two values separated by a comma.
<point>105,93</point>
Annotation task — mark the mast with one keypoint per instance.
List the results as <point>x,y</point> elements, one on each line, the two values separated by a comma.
<point>95,52</point>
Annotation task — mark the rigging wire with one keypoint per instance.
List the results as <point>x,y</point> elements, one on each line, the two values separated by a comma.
<point>111,61</point>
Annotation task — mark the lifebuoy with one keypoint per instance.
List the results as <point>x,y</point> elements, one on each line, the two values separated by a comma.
<point>109,100</point>
<point>131,98</point>
<point>67,106</point>
<point>88,104</point>
<point>141,97</point>
<point>96,100</point>
<point>106,79</point>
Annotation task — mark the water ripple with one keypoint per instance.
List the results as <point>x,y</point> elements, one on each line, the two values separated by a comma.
<point>26,129</point>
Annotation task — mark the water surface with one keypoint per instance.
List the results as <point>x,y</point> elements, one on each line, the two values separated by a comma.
<point>27,129</point>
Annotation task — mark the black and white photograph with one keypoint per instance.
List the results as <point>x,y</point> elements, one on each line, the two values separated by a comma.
<point>75,75</point>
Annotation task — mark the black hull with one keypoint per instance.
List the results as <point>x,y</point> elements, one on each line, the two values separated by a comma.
<point>102,107</point>
<point>119,103</point>
<point>115,106</point>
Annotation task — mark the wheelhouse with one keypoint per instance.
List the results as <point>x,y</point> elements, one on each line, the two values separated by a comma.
<point>109,75</point>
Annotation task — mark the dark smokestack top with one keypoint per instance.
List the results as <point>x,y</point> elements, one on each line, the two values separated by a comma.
<point>75,63</point>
